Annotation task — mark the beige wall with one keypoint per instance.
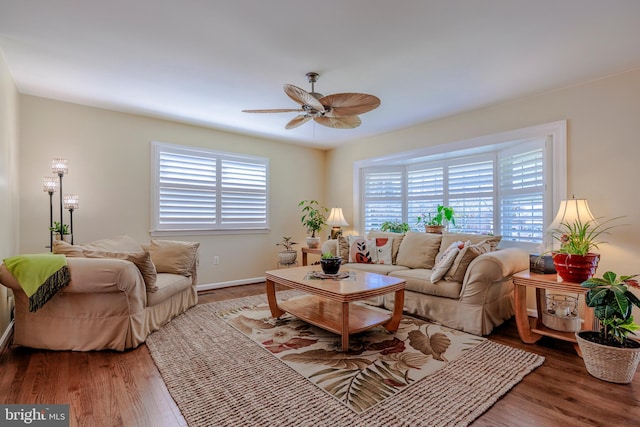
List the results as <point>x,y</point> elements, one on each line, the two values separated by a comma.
<point>9,185</point>
<point>603,152</point>
<point>109,168</point>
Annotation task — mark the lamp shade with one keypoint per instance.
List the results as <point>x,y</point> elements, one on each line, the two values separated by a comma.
<point>336,218</point>
<point>49,184</point>
<point>571,211</point>
<point>71,201</point>
<point>59,166</point>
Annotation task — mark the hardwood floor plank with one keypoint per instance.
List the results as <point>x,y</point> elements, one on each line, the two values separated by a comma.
<point>110,388</point>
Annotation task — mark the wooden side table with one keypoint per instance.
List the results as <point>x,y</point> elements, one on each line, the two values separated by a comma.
<point>530,329</point>
<point>305,251</point>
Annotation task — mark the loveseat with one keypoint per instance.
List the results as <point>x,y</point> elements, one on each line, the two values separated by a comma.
<point>119,292</point>
<point>471,288</point>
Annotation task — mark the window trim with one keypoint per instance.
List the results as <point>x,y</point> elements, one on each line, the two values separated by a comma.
<point>554,133</point>
<point>156,149</point>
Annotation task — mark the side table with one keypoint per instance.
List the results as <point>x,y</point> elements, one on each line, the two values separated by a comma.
<point>530,329</point>
<point>305,251</point>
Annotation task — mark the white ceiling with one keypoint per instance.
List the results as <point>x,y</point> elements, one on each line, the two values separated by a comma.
<point>203,61</point>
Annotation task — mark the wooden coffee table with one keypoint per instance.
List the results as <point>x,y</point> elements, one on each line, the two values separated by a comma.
<point>327,305</point>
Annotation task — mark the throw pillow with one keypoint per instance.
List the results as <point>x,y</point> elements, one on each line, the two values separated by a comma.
<point>384,248</point>
<point>343,248</point>
<point>397,240</point>
<point>445,261</point>
<point>114,244</point>
<point>467,254</point>
<point>142,260</point>
<point>418,250</point>
<point>172,256</point>
<point>61,247</point>
<point>448,238</point>
<point>361,250</point>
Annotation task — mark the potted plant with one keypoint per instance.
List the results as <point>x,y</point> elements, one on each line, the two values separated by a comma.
<point>288,255</point>
<point>314,217</point>
<point>330,263</point>
<point>435,223</point>
<point>61,231</point>
<point>608,353</point>
<point>575,261</point>
<point>394,226</point>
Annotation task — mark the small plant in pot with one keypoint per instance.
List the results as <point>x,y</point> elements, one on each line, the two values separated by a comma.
<point>575,261</point>
<point>609,354</point>
<point>435,223</point>
<point>288,255</point>
<point>60,230</point>
<point>394,227</point>
<point>314,217</point>
<point>330,263</point>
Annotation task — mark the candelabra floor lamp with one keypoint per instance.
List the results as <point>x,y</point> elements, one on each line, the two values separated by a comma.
<point>67,201</point>
<point>49,186</point>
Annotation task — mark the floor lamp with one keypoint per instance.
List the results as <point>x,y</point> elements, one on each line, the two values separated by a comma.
<point>49,185</point>
<point>71,204</point>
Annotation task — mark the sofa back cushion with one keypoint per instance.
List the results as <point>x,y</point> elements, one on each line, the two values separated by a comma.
<point>449,238</point>
<point>418,250</point>
<point>467,254</point>
<point>172,256</point>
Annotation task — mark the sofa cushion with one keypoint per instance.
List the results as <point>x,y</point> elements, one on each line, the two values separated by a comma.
<point>467,254</point>
<point>445,261</point>
<point>122,243</point>
<point>397,240</point>
<point>172,256</point>
<point>418,250</point>
<point>373,268</point>
<point>142,260</point>
<point>419,280</point>
<point>168,286</point>
<point>449,238</point>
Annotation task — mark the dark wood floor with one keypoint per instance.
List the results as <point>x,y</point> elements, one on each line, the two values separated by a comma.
<point>125,389</point>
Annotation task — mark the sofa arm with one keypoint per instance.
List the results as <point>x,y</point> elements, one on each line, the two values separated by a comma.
<point>330,246</point>
<point>488,269</point>
<point>93,275</point>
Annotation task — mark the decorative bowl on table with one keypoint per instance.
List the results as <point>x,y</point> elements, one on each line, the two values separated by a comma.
<point>331,265</point>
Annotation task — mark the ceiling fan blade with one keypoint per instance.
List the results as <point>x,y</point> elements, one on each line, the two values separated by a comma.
<point>344,122</point>
<point>303,97</point>
<point>276,110</point>
<point>297,121</point>
<point>349,104</point>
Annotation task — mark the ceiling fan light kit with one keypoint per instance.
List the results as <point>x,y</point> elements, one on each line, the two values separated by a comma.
<point>338,111</point>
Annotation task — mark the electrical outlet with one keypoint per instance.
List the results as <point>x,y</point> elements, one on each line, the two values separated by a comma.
<point>216,260</point>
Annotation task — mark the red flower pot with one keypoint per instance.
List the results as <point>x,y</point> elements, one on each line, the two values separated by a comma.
<point>576,268</point>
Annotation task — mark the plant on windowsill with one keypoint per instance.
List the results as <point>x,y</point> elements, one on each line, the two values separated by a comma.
<point>609,354</point>
<point>394,227</point>
<point>288,255</point>
<point>575,260</point>
<point>435,223</point>
<point>314,217</point>
<point>330,263</point>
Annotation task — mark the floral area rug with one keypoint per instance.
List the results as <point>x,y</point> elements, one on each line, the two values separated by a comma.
<point>378,365</point>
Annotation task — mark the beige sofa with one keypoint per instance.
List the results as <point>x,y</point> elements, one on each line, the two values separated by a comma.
<point>474,295</point>
<point>109,303</point>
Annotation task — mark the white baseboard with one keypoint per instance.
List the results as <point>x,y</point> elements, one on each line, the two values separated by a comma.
<point>210,286</point>
<point>4,340</point>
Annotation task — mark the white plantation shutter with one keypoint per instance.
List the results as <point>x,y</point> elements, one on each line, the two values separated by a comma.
<point>198,189</point>
<point>383,196</point>
<point>425,190</point>
<point>471,194</point>
<point>522,192</point>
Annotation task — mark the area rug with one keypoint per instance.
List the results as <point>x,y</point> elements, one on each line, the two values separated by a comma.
<point>218,376</point>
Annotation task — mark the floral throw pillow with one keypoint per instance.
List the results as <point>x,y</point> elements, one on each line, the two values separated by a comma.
<point>362,251</point>
<point>384,249</point>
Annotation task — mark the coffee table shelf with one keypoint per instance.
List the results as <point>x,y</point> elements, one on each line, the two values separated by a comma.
<point>327,314</point>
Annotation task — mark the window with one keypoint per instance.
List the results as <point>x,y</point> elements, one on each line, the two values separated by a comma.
<point>506,184</point>
<point>200,190</point>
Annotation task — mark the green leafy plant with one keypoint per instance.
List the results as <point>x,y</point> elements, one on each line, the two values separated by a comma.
<point>394,226</point>
<point>327,255</point>
<point>61,229</point>
<point>612,304</point>
<point>314,216</point>
<point>442,214</point>
<point>580,238</point>
<point>287,243</point>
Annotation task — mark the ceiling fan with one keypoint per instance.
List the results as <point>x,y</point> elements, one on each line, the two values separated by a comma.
<point>339,111</point>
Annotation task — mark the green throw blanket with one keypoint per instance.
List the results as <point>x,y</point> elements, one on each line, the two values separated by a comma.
<point>39,275</point>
